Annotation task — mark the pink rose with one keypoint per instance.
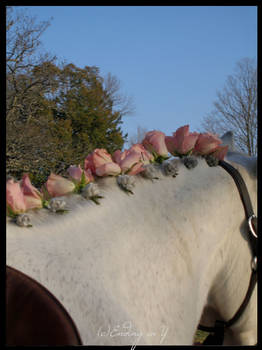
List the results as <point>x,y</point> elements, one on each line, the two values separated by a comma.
<point>146,156</point>
<point>108,169</point>
<point>33,198</point>
<point>220,152</point>
<point>57,185</point>
<point>206,143</point>
<point>182,141</point>
<point>118,156</point>
<point>75,172</point>
<point>15,197</point>
<point>101,163</point>
<point>131,161</point>
<point>89,164</point>
<point>154,142</point>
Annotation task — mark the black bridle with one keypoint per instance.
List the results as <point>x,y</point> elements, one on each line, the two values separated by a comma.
<point>217,332</point>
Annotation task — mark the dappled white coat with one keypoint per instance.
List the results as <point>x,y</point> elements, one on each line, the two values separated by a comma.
<point>139,269</point>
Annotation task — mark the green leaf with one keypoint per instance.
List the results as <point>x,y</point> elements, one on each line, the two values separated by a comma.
<point>185,154</point>
<point>128,170</point>
<point>10,212</point>
<point>94,199</point>
<point>126,190</point>
<point>46,194</point>
<point>61,211</point>
<point>160,159</point>
<point>45,203</point>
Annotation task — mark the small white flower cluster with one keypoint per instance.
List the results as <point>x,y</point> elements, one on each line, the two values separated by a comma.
<point>150,172</point>
<point>23,220</point>
<point>171,167</point>
<point>90,191</point>
<point>211,160</point>
<point>190,162</point>
<point>127,182</point>
<point>56,205</point>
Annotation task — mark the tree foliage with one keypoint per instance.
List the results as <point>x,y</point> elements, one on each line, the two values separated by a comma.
<point>236,107</point>
<point>56,114</point>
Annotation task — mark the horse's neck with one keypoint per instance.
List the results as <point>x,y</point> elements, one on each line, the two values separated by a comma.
<point>178,231</point>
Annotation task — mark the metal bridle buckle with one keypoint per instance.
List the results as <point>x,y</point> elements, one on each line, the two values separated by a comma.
<point>250,225</point>
<point>254,263</point>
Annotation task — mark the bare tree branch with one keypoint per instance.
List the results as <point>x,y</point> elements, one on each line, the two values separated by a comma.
<point>236,107</point>
<point>138,137</point>
<point>123,103</point>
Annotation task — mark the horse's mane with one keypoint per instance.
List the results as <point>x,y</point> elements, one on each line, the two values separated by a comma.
<point>249,163</point>
<point>109,188</point>
<point>236,156</point>
<point>77,203</point>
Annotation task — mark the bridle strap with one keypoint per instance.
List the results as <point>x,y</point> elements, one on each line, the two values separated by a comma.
<point>242,188</point>
<point>226,324</point>
<point>252,283</point>
<point>218,329</point>
<point>244,195</point>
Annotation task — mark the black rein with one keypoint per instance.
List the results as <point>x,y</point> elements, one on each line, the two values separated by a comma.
<point>217,332</point>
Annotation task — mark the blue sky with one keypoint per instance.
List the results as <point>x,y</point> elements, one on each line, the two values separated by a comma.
<point>170,59</point>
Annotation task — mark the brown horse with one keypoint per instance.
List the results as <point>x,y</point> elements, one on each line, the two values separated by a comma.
<point>34,316</point>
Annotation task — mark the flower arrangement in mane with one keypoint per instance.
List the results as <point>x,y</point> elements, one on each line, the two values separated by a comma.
<point>124,165</point>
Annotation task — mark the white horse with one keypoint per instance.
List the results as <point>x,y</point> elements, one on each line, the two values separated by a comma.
<point>140,269</point>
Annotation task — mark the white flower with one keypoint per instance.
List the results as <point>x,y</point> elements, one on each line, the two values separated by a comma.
<point>150,171</point>
<point>90,190</point>
<point>171,167</point>
<point>190,162</point>
<point>23,220</point>
<point>211,160</point>
<point>127,182</point>
<point>56,204</point>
